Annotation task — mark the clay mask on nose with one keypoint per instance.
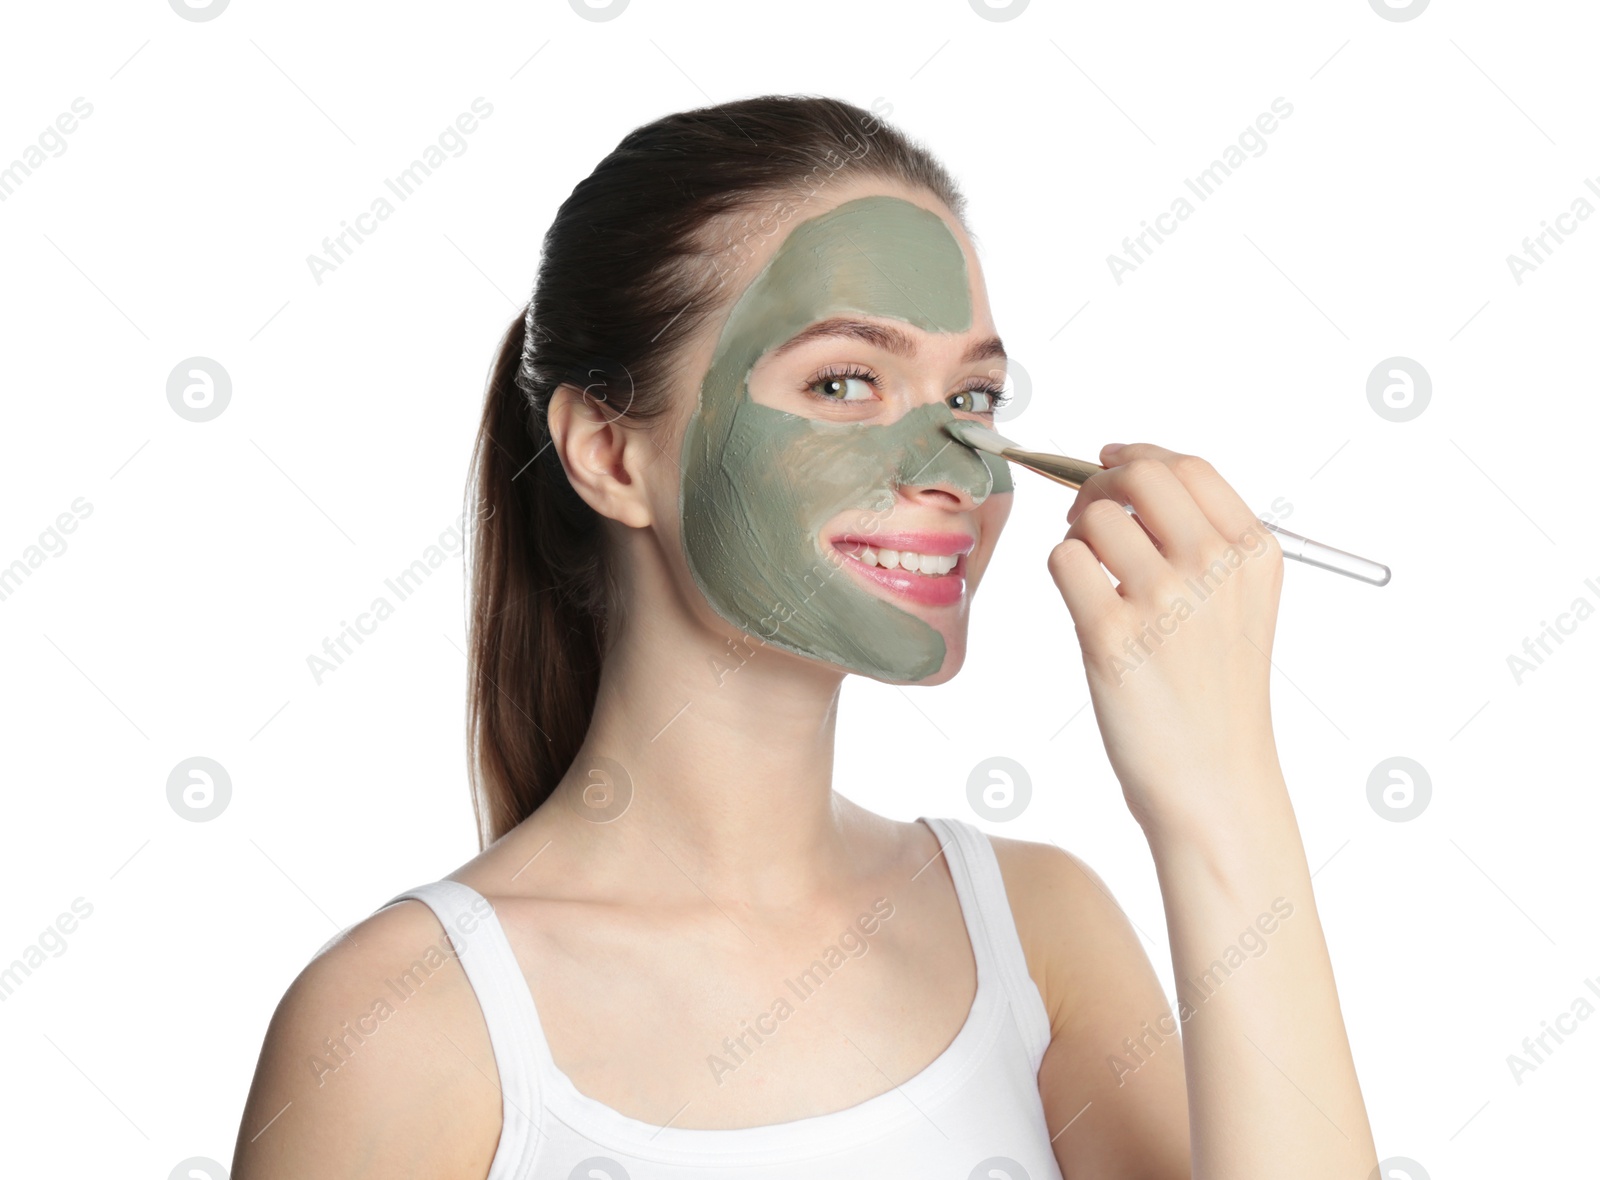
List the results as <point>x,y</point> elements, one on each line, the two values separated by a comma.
<point>759,484</point>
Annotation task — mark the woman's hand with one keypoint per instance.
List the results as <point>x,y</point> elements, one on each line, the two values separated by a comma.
<point>1177,653</point>
<point>1178,661</point>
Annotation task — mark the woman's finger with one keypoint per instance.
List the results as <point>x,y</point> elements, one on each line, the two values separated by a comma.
<point>1166,509</point>
<point>1223,508</point>
<point>1084,584</point>
<point>1120,544</point>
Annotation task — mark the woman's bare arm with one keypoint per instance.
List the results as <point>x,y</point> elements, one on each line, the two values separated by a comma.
<point>1177,652</point>
<point>1112,1079</point>
<point>1270,1075</point>
<point>374,1065</point>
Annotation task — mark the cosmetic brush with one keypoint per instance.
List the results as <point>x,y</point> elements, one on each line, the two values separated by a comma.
<point>1075,473</point>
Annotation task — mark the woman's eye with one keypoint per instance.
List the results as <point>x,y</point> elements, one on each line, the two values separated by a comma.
<point>839,389</point>
<point>976,401</point>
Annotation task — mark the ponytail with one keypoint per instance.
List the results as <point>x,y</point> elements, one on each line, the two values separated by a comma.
<point>537,614</point>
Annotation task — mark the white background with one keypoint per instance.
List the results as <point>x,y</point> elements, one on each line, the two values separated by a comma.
<point>217,555</point>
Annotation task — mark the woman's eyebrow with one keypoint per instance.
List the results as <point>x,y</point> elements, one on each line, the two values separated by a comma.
<point>890,339</point>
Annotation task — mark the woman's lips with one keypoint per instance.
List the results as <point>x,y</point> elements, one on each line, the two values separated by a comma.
<point>929,589</point>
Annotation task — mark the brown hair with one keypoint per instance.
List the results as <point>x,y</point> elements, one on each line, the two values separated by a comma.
<point>627,273</point>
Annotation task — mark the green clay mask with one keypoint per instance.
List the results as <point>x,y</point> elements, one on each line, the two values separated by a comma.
<point>760,484</point>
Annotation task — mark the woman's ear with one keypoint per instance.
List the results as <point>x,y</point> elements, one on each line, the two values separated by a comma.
<point>602,457</point>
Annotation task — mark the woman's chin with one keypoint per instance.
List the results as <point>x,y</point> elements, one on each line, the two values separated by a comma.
<point>946,672</point>
<point>955,654</point>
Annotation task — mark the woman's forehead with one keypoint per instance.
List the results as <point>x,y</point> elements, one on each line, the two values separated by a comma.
<point>876,255</point>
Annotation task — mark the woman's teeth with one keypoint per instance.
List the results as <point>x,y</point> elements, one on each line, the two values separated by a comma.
<point>932,564</point>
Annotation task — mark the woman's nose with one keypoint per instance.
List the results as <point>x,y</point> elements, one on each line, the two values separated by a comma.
<point>933,467</point>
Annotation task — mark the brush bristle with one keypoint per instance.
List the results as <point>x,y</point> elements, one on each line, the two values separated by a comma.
<point>978,436</point>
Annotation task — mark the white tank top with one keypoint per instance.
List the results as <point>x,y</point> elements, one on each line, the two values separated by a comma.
<point>973,1113</point>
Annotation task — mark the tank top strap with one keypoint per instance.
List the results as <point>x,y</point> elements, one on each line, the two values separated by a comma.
<point>992,928</point>
<point>515,1035</point>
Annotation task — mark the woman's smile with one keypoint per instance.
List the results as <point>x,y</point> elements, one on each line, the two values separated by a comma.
<point>924,567</point>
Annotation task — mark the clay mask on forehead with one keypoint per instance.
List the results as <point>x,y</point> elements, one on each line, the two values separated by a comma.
<point>759,484</point>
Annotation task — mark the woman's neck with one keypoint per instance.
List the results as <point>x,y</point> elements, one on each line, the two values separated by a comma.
<point>727,753</point>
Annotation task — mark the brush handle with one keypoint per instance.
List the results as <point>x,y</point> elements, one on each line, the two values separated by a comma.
<point>1326,557</point>
<point>1074,473</point>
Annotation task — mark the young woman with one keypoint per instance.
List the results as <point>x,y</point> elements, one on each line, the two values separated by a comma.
<point>712,479</point>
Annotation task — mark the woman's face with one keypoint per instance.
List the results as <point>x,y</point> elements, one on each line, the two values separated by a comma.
<point>816,449</point>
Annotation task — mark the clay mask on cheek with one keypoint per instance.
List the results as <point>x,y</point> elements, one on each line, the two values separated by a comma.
<point>760,484</point>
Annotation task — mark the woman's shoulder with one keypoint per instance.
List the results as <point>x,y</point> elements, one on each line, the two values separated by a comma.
<point>375,1039</point>
<point>1043,865</point>
<point>1040,871</point>
<point>1074,934</point>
